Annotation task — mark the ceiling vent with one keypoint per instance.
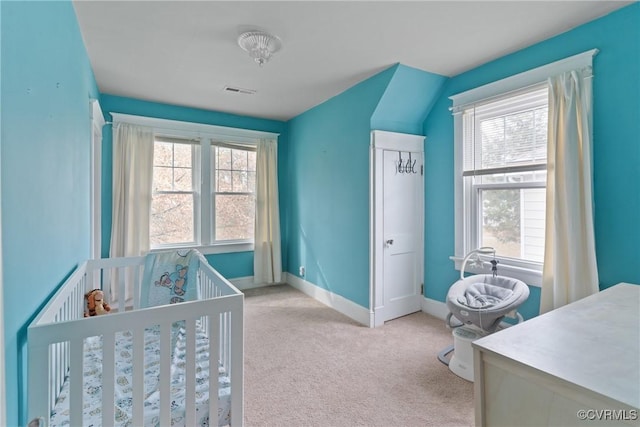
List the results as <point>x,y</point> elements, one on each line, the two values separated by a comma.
<point>233,89</point>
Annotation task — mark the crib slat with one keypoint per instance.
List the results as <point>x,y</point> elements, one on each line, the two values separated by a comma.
<point>165,374</point>
<point>136,288</point>
<point>107,285</point>
<point>123,278</point>
<point>214,356</point>
<point>79,298</point>
<point>190,373</point>
<point>108,378</point>
<point>75,382</point>
<point>39,369</point>
<point>64,362</point>
<point>56,379</point>
<point>236,373</point>
<point>138,376</point>
<point>51,387</point>
<point>91,282</point>
<point>224,339</point>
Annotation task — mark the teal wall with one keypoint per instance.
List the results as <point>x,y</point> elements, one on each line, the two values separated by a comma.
<point>232,265</point>
<point>329,175</point>
<point>616,148</point>
<point>328,187</point>
<point>46,85</point>
<point>407,100</point>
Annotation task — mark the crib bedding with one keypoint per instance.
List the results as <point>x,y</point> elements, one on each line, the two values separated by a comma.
<point>92,393</point>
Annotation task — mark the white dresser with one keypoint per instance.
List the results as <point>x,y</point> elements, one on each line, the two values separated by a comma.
<point>577,365</point>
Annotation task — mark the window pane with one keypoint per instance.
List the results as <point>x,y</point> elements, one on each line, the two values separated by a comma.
<point>239,158</point>
<point>240,181</point>
<point>492,143</point>
<point>234,216</point>
<point>223,157</point>
<point>512,222</point>
<point>234,213</point>
<point>171,219</point>
<point>172,167</point>
<point>510,131</point>
<point>223,184</point>
<point>182,155</point>
<point>515,139</point>
<point>251,182</point>
<point>162,154</point>
<point>162,178</point>
<point>251,160</point>
<point>182,179</point>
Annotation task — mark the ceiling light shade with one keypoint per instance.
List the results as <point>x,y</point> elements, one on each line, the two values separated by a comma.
<point>259,44</point>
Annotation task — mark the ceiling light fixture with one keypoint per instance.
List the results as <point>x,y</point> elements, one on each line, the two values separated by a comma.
<point>259,44</point>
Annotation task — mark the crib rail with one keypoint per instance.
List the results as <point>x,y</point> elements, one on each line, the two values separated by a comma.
<point>119,278</point>
<point>56,337</point>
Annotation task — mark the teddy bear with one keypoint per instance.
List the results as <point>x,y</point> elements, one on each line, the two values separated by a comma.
<point>96,304</point>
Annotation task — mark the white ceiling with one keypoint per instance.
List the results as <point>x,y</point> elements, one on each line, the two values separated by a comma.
<point>185,53</point>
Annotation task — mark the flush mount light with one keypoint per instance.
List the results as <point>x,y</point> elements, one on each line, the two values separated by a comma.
<point>259,44</point>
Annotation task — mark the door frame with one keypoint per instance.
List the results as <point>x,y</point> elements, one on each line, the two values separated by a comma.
<point>380,141</point>
<point>95,190</point>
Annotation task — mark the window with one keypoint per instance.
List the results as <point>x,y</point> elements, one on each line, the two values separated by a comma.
<point>504,173</point>
<point>194,204</point>
<point>500,167</point>
<point>234,192</point>
<point>203,184</point>
<point>501,161</point>
<point>174,197</point>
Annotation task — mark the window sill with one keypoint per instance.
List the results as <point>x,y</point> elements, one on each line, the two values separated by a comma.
<point>530,276</point>
<point>217,248</point>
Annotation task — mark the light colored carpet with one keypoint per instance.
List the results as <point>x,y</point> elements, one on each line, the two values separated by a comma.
<point>308,365</point>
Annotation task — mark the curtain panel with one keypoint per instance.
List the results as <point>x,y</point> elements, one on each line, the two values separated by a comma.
<point>267,258</point>
<point>132,181</point>
<point>570,271</point>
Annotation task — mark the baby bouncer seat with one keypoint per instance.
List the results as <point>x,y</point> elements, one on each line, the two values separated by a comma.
<point>479,302</point>
<point>484,300</point>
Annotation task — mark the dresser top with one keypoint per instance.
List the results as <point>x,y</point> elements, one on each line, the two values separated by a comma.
<point>593,343</point>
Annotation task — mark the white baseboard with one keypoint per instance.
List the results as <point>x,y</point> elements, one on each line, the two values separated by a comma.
<point>339,303</point>
<point>243,283</point>
<point>435,308</point>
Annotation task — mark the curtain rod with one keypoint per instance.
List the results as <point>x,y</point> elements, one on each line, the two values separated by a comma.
<point>521,80</point>
<point>193,127</point>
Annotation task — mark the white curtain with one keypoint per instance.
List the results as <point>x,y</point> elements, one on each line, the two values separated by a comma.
<point>132,179</point>
<point>267,260</point>
<point>570,272</point>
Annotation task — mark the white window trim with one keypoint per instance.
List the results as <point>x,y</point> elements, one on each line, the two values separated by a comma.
<point>181,129</point>
<point>211,134</point>
<point>530,273</point>
<point>95,191</point>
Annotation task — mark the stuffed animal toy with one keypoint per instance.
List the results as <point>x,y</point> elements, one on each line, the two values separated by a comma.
<point>96,304</point>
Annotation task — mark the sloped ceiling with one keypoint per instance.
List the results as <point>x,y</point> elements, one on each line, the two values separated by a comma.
<point>407,100</point>
<point>185,52</point>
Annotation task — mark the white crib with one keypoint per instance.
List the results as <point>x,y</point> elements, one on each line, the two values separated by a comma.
<point>58,336</point>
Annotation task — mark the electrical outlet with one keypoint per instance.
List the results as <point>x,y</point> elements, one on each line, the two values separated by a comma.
<point>301,271</point>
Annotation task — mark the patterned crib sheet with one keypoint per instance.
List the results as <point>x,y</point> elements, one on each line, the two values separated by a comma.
<point>92,369</point>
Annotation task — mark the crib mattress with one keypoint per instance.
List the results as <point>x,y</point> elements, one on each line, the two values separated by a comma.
<point>92,370</point>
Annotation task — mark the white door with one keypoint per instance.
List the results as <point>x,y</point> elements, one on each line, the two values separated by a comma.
<point>397,225</point>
